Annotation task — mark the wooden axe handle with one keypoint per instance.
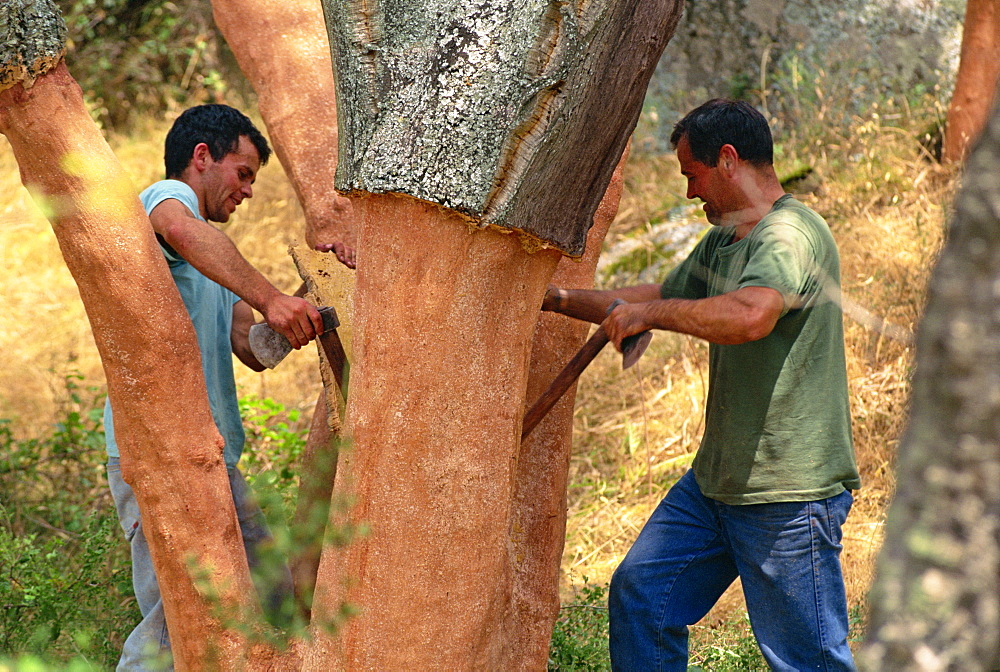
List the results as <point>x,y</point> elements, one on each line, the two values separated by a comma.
<point>566,377</point>
<point>329,340</point>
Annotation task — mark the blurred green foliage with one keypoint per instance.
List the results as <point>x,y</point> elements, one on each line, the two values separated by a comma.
<point>65,584</point>
<point>66,599</point>
<point>132,56</point>
<point>580,637</point>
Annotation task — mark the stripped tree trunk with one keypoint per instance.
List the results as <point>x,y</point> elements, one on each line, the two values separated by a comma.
<point>171,452</point>
<point>457,116</point>
<point>441,351</point>
<point>976,82</point>
<point>282,49</point>
<point>538,529</point>
<point>936,598</point>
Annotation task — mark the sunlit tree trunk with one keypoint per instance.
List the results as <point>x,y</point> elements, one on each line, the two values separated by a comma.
<point>458,116</point>
<point>171,452</point>
<point>976,82</point>
<point>935,604</point>
<point>282,49</point>
<point>538,521</point>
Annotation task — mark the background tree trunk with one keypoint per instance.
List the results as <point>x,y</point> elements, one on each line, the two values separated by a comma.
<point>282,49</point>
<point>538,529</point>
<point>976,82</point>
<point>171,452</point>
<point>936,599</point>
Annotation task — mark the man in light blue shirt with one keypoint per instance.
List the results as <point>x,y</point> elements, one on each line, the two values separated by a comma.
<point>212,155</point>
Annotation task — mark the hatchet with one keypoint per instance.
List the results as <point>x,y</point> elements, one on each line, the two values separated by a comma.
<point>270,347</point>
<point>632,348</point>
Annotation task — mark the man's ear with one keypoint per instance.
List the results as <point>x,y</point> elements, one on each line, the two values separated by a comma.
<point>728,158</point>
<point>201,156</point>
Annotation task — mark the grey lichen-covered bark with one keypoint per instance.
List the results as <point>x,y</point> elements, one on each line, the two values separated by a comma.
<point>32,40</point>
<point>936,600</point>
<point>483,106</point>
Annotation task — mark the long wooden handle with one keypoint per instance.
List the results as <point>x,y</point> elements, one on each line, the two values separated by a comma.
<point>566,377</point>
<point>334,349</point>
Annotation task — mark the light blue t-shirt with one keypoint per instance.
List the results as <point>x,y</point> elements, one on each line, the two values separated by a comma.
<point>210,306</point>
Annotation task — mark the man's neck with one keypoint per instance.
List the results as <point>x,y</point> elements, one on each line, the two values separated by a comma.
<point>761,190</point>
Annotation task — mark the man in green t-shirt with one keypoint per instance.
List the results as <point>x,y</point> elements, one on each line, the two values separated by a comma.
<point>770,487</point>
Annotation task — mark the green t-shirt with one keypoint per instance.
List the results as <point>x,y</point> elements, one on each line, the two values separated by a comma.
<point>778,424</point>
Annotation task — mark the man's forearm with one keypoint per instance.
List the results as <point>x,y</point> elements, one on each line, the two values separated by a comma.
<point>217,258</point>
<point>741,316</point>
<point>591,305</point>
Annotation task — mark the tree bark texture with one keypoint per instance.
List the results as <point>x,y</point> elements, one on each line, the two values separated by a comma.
<point>282,49</point>
<point>976,82</point>
<point>443,324</point>
<point>538,526</point>
<point>936,599</point>
<point>171,452</point>
<point>483,106</point>
<point>32,40</point>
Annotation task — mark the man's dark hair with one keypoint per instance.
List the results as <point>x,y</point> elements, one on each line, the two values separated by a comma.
<point>726,122</point>
<point>219,127</point>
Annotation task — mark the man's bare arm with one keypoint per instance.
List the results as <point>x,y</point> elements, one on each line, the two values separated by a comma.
<point>215,256</point>
<point>591,305</point>
<point>741,316</point>
<point>243,319</point>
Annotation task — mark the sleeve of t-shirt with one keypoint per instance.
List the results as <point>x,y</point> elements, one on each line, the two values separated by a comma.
<point>160,191</point>
<point>689,279</point>
<point>782,259</point>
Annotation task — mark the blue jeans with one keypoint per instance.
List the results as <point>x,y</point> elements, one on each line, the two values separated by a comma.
<point>692,548</point>
<point>148,646</point>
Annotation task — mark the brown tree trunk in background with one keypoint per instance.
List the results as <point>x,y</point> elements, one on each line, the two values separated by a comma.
<point>443,326</point>
<point>538,531</point>
<point>935,604</point>
<point>976,82</point>
<point>171,452</point>
<point>281,47</point>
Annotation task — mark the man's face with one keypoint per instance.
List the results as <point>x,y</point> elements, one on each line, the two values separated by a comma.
<point>228,181</point>
<point>706,183</point>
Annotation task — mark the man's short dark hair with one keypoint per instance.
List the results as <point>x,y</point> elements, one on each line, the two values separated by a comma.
<point>219,127</point>
<point>726,122</point>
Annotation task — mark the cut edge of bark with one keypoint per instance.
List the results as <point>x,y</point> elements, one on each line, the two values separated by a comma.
<point>530,242</point>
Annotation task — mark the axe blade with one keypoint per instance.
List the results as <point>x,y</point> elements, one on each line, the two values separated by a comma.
<point>270,347</point>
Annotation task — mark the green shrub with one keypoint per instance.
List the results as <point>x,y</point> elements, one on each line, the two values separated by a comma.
<point>580,637</point>
<point>65,584</point>
<point>136,56</point>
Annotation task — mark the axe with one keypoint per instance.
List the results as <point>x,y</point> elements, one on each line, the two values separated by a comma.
<point>632,349</point>
<point>270,347</point>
